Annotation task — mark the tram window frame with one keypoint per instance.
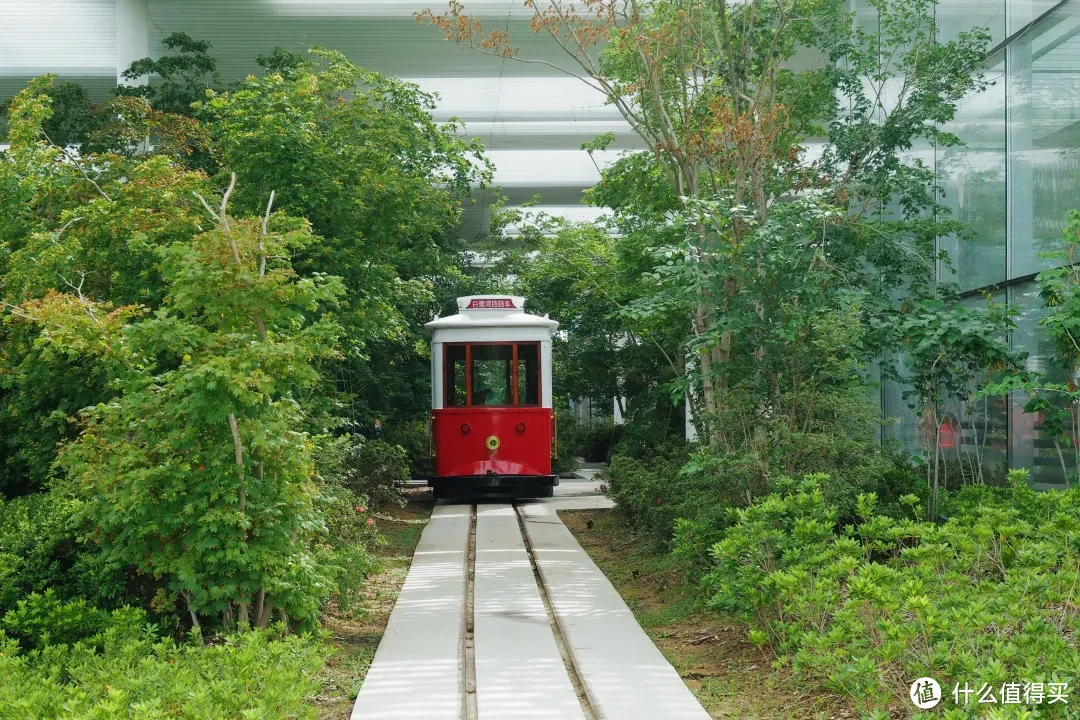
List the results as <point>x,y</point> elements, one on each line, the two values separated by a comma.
<point>452,357</point>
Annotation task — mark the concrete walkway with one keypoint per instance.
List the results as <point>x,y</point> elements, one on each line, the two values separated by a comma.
<point>625,676</point>
<point>419,669</point>
<point>519,671</point>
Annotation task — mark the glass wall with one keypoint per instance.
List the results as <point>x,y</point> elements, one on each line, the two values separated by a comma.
<point>1011,182</point>
<point>1029,446</point>
<point>1044,136</point>
<point>972,181</point>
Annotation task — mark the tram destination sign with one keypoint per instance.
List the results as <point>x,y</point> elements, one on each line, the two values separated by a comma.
<point>491,304</point>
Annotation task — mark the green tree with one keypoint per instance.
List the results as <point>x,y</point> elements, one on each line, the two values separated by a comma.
<point>174,82</point>
<point>196,472</point>
<point>359,155</point>
<point>944,349</point>
<point>65,217</point>
<point>1053,393</point>
<point>716,92</point>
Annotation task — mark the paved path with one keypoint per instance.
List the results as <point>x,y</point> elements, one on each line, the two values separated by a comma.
<point>593,661</point>
<point>417,667</point>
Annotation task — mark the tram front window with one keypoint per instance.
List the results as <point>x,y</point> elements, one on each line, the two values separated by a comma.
<point>492,375</point>
<point>497,374</point>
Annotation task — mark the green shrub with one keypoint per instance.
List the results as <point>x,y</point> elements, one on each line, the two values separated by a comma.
<point>39,549</point>
<point>986,597</point>
<point>371,468</point>
<point>570,433</point>
<point>856,464</point>
<point>127,672</point>
<point>679,481</point>
<point>415,438</point>
<point>599,441</point>
<point>42,620</point>
<point>351,530</point>
<point>564,464</point>
<point>651,493</point>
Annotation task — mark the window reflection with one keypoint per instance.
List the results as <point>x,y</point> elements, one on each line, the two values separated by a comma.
<point>972,181</point>
<point>1044,137</point>
<point>1032,448</point>
<point>492,373</point>
<point>489,374</point>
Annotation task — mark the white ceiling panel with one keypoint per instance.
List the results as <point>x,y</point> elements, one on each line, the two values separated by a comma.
<point>70,38</point>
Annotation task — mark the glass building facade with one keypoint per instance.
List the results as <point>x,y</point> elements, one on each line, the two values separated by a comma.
<point>1012,182</point>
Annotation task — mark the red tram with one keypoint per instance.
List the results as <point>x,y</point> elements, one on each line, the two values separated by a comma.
<point>492,424</point>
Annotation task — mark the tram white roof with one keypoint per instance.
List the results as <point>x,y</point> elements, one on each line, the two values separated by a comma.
<point>492,311</point>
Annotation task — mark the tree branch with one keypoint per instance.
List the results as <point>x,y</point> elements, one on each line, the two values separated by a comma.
<point>78,165</point>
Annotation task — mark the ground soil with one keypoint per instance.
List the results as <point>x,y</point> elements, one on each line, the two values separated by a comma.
<point>731,678</point>
<point>355,636</point>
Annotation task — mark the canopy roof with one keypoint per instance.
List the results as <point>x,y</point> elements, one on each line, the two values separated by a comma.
<point>492,311</point>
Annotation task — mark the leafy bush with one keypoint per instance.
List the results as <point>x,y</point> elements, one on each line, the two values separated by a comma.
<point>651,493</point>
<point>370,468</point>
<point>564,464</point>
<point>415,438</point>
<point>350,531</point>
<point>843,442</point>
<point>42,620</point>
<point>986,597</point>
<point>690,482</point>
<point>599,441</point>
<point>39,549</point>
<point>128,672</point>
<point>571,433</point>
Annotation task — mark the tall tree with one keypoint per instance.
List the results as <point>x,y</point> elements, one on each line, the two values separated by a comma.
<point>727,96</point>
<point>69,217</point>
<point>197,471</point>
<point>360,156</point>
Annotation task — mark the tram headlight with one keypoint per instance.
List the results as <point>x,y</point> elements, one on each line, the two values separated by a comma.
<point>465,428</point>
<point>520,427</point>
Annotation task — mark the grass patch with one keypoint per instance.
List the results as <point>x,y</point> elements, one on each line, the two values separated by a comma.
<point>730,677</point>
<point>354,638</point>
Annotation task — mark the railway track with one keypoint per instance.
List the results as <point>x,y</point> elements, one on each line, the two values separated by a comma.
<point>503,616</point>
<point>470,709</point>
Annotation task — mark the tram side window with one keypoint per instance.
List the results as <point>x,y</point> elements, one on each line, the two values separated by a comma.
<point>454,383</point>
<point>528,375</point>
<point>492,378</point>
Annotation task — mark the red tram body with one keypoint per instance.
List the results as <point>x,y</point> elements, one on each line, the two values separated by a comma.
<point>492,424</point>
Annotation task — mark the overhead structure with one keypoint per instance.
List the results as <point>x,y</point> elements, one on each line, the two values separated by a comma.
<point>531,118</point>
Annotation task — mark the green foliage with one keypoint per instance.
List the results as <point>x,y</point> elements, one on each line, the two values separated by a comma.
<point>581,275</point>
<point>600,441</point>
<point>1053,392</point>
<point>359,155</point>
<point>370,468</point>
<point>861,609</point>
<point>698,486</point>
<point>196,472</point>
<point>40,551</point>
<point>176,81</point>
<point>126,671</point>
<point>415,438</point>
<point>42,620</point>
<point>98,226</point>
<point>944,350</point>
<point>651,493</point>
<point>350,531</point>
